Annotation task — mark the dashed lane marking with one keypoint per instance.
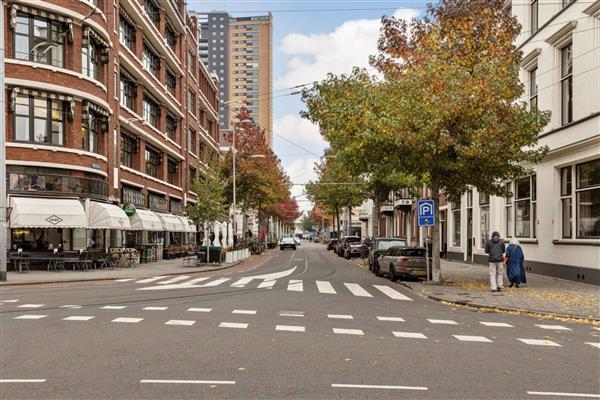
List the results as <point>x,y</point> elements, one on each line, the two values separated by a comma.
<point>325,287</point>
<point>9,301</point>
<point>394,294</point>
<point>295,285</point>
<point>410,335</point>
<point>113,307</point>
<point>78,318</point>
<point>597,345</point>
<point>30,316</point>
<point>124,280</point>
<point>497,324</point>
<point>154,308</point>
<point>180,322</point>
<point>467,338</point>
<point>339,316</point>
<point>340,331</point>
<point>386,387</point>
<point>442,321</point>
<point>196,309</point>
<point>235,325</point>
<point>31,305</point>
<point>187,382</point>
<point>248,312</point>
<point>391,319</point>
<point>290,328</point>
<point>291,313</point>
<point>539,342</point>
<point>357,290</point>
<point>71,306</point>
<point>127,320</point>
<point>22,380</point>
<point>554,327</point>
<point>591,396</point>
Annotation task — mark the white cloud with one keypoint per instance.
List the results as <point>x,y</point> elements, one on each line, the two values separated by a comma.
<point>301,170</point>
<point>312,56</point>
<point>299,130</point>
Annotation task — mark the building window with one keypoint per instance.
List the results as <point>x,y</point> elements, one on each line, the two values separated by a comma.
<point>533,16</point>
<point>192,178</point>
<point>39,119</point>
<point>90,60</point>
<point>126,32</point>
<point>509,210</point>
<point>202,151</point>
<point>129,147</point>
<point>191,59</point>
<point>525,207</point>
<point>153,159</point>
<point>171,127</point>
<point>588,200</point>
<point>533,89</point>
<point>192,141</point>
<point>484,211</point>
<point>456,226</point>
<point>152,11</point>
<point>173,171</point>
<point>150,60</point>
<point>90,128</point>
<point>171,37</point>
<point>39,40</point>
<point>133,196</point>
<point>566,82</point>
<point>191,102</point>
<point>171,82</point>
<point>127,92</point>
<point>151,112</point>
<point>566,201</point>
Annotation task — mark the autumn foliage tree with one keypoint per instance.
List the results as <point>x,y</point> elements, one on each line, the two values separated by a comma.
<point>446,110</point>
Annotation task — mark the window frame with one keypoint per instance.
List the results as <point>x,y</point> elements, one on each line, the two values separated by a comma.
<point>151,112</point>
<point>534,14</point>
<point>127,32</point>
<point>152,162</point>
<point>90,129</point>
<point>530,203</point>
<point>579,190</point>
<point>150,60</point>
<point>32,117</point>
<point>54,45</point>
<point>566,79</point>
<point>172,171</point>
<point>129,148</point>
<point>171,127</point>
<point>566,199</point>
<point>533,88</point>
<point>127,92</point>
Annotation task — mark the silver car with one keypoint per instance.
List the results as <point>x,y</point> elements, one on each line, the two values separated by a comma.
<point>402,262</point>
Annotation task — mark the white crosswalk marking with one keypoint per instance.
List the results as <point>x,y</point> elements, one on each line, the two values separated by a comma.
<point>597,344</point>
<point>291,314</point>
<point>247,312</point>
<point>410,335</point>
<point>30,316</point>
<point>113,307</point>
<point>196,280</point>
<point>392,319</point>
<point>154,308</point>
<point>295,285</point>
<point>442,321</point>
<point>128,320</point>
<point>325,287</point>
<point>124,280</point>
<point>241,282</point>
<point>290,328</point>
<point>73,306</point>
<point>148,280</point>
<point>539,342</point>
<point>497,324</point>
<point>9,301</point>
<point>554,327</point>
<point>467,338</point>
<point>195,309</point>
<point>339,316</point>
<point>340,331</point>
<point>394,294</point>
<point>180,322</point>
<point>234,325</point>
<point>173,280</point>
<point>78,318</point>
<point>216,282</point>
<point>266,284</point>
<point>357,290</point>
<point>31,305</point>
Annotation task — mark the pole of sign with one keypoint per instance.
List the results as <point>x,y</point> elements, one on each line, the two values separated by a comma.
<point>426,255</point>
<point>3,205</point>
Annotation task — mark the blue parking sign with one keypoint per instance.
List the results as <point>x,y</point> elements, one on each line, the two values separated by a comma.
<point>426,212</point>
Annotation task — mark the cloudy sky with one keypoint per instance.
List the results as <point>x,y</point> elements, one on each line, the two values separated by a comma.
<point>310,39</point>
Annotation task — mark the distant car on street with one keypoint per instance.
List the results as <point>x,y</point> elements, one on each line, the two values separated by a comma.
<point>332,243</point>
<point>287,243</point>
<point>401,263</point>
<point>378,246</point>
<point>345,242</point>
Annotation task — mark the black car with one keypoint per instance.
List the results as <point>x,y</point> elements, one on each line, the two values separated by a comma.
<point>332,243</point>
<point>344,242</point>
<point>378,246</point>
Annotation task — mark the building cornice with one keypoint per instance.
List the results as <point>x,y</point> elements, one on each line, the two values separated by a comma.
<point>541,28</point>
<point>55,165</point>
<point>563,35</point>
<point>593,10</point>
<point>55,149</point>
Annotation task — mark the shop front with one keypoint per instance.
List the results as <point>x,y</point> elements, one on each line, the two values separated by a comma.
<point>146,235</point>
<point>106,223</point>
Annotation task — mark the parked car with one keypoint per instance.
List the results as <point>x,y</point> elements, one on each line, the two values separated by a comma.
<point>341,246</point>
<point>353,247</point>
<point>297,240</point>
<point>287,243</point>
<point>332,243</point>
<point>402,262</point>
<point>378,246</point>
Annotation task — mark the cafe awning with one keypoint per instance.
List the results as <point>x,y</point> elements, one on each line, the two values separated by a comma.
<point>171,223</point>
<point>43,212</point>
<point>189,225</point>
<point>145,220</point>
<point>107,216</point>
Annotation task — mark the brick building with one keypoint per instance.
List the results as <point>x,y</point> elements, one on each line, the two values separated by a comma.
<point>109,109</point>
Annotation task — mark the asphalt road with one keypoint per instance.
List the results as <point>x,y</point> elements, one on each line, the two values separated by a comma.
<point>305,324</point>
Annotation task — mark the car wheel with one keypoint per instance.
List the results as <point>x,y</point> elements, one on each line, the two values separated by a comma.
<point>281,248</point>
<point>376,269</point>
<point>393,276</point>
<point>370,266</point>
<point>294,247</point>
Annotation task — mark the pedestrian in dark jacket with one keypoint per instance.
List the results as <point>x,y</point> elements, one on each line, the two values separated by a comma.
<point>515,269</point>
<point>494,247</point>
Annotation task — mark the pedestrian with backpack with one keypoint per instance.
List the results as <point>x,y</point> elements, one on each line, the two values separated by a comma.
<point>494,247</point>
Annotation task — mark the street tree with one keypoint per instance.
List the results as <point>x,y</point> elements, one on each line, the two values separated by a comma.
<point>446,109</point>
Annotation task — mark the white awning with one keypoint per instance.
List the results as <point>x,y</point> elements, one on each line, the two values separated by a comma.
<point>171,223</point>
<point>145,220</point>
<point>107,216</point>
<point>189,225</point>
<point>42,212</point>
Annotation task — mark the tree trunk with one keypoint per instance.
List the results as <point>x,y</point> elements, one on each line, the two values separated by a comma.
<point>375,216</point>
<point>435,242</point>
<point>208,244</point>
<point>349,230</point>
<point>337,218</point>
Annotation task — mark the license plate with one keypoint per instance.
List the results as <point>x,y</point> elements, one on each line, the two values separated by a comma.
<point>419,272</point>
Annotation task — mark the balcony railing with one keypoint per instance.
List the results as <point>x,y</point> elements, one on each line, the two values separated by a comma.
<point>49,183</point>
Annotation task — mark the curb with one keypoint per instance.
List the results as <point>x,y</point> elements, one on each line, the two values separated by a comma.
<point>489,308</point>
<point>2,285</point>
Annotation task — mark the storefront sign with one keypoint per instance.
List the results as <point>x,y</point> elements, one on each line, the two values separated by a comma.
<point>129,209</point>
<point>386,208</point>
<point>403,202</point>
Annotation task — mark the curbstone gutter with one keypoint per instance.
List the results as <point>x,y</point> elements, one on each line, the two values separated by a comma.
<point>512,310</point>
<point>209,269</point>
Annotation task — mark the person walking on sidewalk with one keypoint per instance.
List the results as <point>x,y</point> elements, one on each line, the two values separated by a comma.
<point>515,269</point>
<point>494,247</point>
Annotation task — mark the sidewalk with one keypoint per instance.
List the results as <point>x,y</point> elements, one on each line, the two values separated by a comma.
<point>160,268</point>
<point>468,284</point>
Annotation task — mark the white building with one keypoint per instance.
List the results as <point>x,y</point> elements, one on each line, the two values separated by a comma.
<point>555,213</point>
